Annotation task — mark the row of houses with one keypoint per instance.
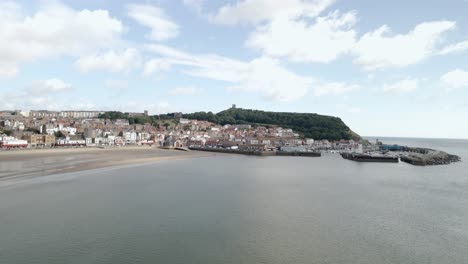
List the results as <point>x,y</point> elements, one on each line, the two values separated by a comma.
<point>47,141</point>
<point>13,124</point>
<point>64,114</point>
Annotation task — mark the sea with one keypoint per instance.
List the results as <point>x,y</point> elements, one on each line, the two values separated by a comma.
<point>243,209</point>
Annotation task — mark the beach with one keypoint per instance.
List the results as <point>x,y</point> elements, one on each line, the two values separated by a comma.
<point>40,162</point>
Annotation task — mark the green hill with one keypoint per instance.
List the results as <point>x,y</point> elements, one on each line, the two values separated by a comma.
<point>309,125</point>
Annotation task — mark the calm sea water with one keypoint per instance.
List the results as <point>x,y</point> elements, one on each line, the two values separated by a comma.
<point>237,209</point>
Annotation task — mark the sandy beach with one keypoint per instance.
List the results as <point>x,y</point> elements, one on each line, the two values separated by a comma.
<point>14,164</point>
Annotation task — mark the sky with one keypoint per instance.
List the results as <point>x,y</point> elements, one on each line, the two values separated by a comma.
<point>386,68</point>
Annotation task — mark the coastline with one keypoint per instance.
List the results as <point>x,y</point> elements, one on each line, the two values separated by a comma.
<point>42,162</point>
<point>31,163</point>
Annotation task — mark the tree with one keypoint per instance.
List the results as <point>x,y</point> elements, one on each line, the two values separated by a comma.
<point>113,115</point>
<point>7,132</point>
<point>59,134</point>
<point>34,130</point>
<point>308,125</point>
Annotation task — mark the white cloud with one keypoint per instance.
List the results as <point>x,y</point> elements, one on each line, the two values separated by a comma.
<point>50,94</point>
<point>455,48</point>
<point>265,76</point>
<point>116,84</point>
<point>8,69</point>
<point>355,110</point>
<point>341,108</point>
<point>334,88</point>
<point>403,86</point>
<point>379,49</point>
<point>291,29</point>
<point>208,65</point>
<point>219,68</point>
<point>156,65</point>
<point>274,82</point>
<point>257,11</point>
<point>153,17</point>
<point>44,87</point>
<point>196,5</point>
<point>180,91</point>
<point>167,51</point>
<point>110,61</point>
<point>456,79</point>
<point>159,108</point>
<point>7,104</point>
<point>53,30</point>
<point>301,41</point>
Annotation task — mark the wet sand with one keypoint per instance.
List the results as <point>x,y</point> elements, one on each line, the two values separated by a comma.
<point>14,164</point>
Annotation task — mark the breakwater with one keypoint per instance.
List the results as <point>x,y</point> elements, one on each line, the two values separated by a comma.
<point>413,156</point>
<point>298,153</point>
<point>369,158</point>
<point>428,157</point>
<point>258,152</point>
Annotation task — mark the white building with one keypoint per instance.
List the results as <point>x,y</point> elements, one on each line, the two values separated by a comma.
<point>11,142</point>
<point>254,141</point>
<point>130,136</point>
<point>121,122</point>
<point>184,121</point>
<point>68,130</point>
<point>70,142</point>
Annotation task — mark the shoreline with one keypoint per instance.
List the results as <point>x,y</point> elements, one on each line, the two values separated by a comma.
<point>21,152</point>
<point>43,162</point>
<point>32,163</point>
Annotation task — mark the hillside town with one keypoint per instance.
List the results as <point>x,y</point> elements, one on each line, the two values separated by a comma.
<point>73,129</point>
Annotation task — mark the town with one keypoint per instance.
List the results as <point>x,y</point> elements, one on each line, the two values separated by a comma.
<point>73,129</point>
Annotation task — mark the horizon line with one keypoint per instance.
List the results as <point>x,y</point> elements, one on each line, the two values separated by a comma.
<point>413,137</point>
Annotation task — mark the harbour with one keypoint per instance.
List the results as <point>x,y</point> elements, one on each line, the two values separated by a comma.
<point>257,152</point>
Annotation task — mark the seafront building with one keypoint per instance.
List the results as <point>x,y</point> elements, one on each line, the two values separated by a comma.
<point>66,114</point>
<point>40,140</point>
<point>43,129</point>
<point>7,142</point>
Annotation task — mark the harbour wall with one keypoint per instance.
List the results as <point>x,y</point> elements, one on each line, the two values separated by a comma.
<point>258,152</point>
